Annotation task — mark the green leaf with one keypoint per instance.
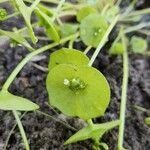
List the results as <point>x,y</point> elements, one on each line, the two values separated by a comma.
<point>68,29</point>
<point>68,56</point>
<point>46,10</point>
<point>26,13</point>
<point>17,37</point>
<point>92,29</point>
<point>138,44</point>
<point>147,121</point>
<point>95,132</point>
<point>78,91</point>
<point>9,101</point>
<point>45,21</point>
<point>116,49</point>
<point>85,11</point>
<point>3,14</point>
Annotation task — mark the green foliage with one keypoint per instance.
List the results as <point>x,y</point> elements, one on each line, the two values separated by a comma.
<point>94,132</point>
<point>3,14</point>
<point>17,37</point>
<point>116,49</point>
<point>9,101</point>
<point>111,13</point>
<point>46,21</point>
<point>85,11</point>
<point>87,98</point>
<point>147,121</point>
<point>26,13</point>
<point>138,44</point>
<point>92,29</point>
<point>68,56</point>
<point>68,29</point>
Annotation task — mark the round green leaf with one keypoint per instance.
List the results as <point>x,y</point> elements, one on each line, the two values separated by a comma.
<point>3,14</point>
<point>68,56</point>
<point>9,101</point>
<point>45,21</point>
<point>92,29</point>
<point>68,29</point>
<point>116,49</point>
<point>87,100</point>
<point>138,44</point>
<point>85,11</point>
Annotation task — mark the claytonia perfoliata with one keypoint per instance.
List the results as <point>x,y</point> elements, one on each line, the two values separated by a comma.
<point>92,29</point>
<point>68,56</point>
<point>9,101</point>
<point>78,90</point>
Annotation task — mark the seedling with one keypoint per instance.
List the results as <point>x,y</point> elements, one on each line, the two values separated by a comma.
<point>92,29</point>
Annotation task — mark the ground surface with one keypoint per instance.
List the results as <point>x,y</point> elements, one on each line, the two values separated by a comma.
<point>46,134</point>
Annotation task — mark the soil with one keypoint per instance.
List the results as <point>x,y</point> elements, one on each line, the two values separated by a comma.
<point>46,134</point>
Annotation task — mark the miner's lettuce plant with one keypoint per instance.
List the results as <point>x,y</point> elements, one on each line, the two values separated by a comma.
<point>74,87</point>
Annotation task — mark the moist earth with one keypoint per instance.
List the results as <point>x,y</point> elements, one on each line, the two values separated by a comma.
<point>47,134</point>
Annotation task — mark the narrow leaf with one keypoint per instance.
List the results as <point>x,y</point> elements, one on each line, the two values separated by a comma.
<point>9,101</point>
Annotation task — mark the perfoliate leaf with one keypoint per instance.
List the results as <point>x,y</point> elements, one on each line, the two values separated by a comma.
<point>68,29</point>
<point>68,56</point>
<point>92,29</point>
<point>116,49</point>
<point>85,11</point>
<point>3,14</point>
<point>78,91</point>
<point>26,13</point>
<point>17,38</point>
<point>94,132</point>
<point>138,44</point>
<point>9,101</point>
<point>147,121</point>
<point>45,21</point>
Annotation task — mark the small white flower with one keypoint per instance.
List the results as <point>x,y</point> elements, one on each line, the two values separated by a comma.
<point>66,82</point>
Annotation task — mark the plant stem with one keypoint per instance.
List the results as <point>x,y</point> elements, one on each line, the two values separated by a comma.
<point>31,55</point>
<point>21,130</point>
<point>139,12</point>
<point>58,9</point>
<point>57,120</point>
<point>103,41</point>
<point>137,27</point>
<point>34,5</point>
<point>11,132</point>
<point>87,49</point>
<point>123,94</point>
<point>12,15</point>
<point>90,123</point>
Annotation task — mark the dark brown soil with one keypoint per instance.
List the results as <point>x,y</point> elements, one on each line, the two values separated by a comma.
<point>46,134</point>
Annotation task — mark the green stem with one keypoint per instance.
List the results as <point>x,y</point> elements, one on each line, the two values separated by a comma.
<point>87,49</point>
<point>139,12</point>
<point>123,95</point>
<point>90,123</point>
<point>12,15</point>
<point>103,41</point>
<point>137,27</point>
<point>58,9</point>
<point>30,56</point>
<point>21,130</point>
<point>11,132</point>
<point>60,121</point>
<point>34,5</point>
